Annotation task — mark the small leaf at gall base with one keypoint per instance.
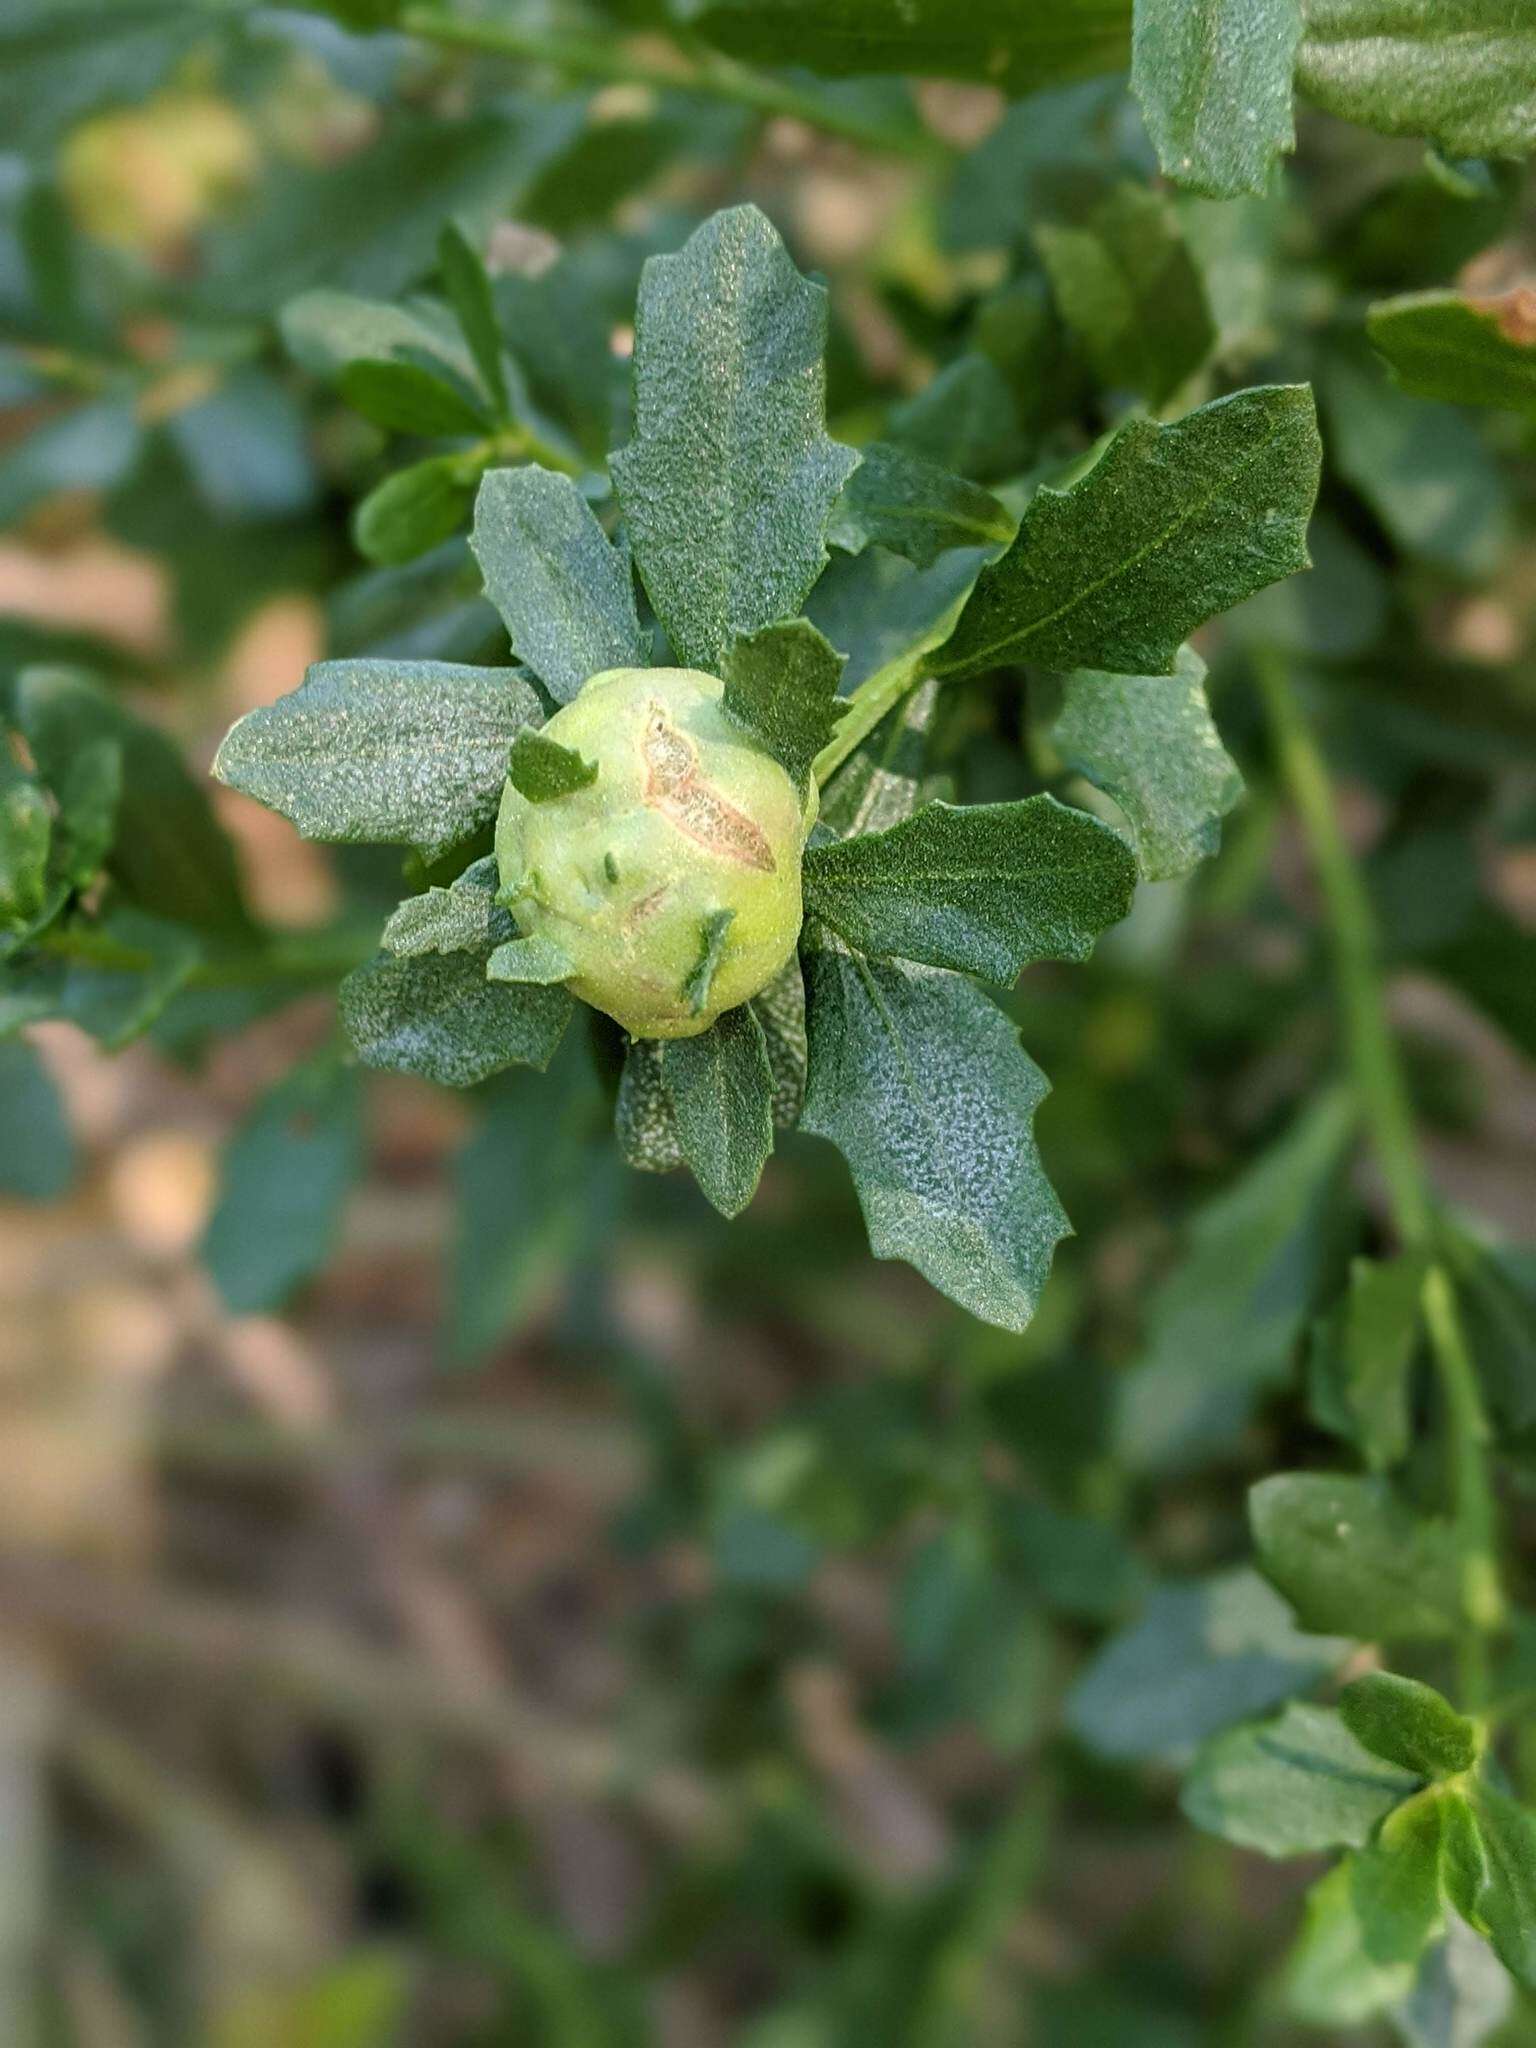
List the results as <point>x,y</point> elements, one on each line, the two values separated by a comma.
<point>984,889</point>
<point>730,479</point>
<point>1409,1724</point>
<point>921,1083</point>
<point>1150,743</point>
<point>1214,81</point>
<point>1171,525</point>
<point>543,771</point>
<point>721,1091</point>
<point>1348,1553</point>
<point>537,960</point>
<point>781,687</point>
<point>1293,1786</point>
<point>387,752</point>
<point>564,591</point>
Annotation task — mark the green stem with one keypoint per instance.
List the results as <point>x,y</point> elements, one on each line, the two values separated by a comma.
<point>321,956</point>
<point>716,77</point>
<point>875,697</point>
<point>1388,1109</point>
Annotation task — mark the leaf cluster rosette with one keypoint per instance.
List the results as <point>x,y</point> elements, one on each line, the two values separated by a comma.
<point>703,835</point>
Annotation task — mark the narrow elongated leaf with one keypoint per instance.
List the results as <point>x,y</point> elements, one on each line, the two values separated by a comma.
<point>1362,1353</point>
<point>1200,1657</point>
<point>1347,1553</point>
<point>720,1087</point>
<point>389,752</point>
<point>994,41</point>
<point>1214,81</point>
<point>1150,743</point>
<point>550,571</point>
<point>898,499</point>
<point>285,1177</point>
<point>781,686</point>
<point>729,482</point>
<point>643,1118</point>
<point>1408,1723</point>
<point>469,293</point>
<point>26,830</point>
<point>37,1149</point>
<point>984,888</point>
<point>1458,72</point>
<point>1493,1874</point>
<point>1126,283</point>
<point>1369,1921</point>
<point>1170,526</point>
<point>1465,351</point>
<point>1293,1786</point>
<point>921,1083</point>
<point>169,852</point>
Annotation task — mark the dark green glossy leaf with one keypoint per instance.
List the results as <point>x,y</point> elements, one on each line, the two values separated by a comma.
<point>900,500</point>
<point>1457,72</point>
<point>720,1088</point>
<point>1347,1553</point>
<point>921,1083</point>
<point>700,978</point>
<point>1409,1724</point>
<point>565,593</point>
<point>1126,284</point>
<point>26,831</point>
<point>1462,350</point>
<point>781,686</point>
<point>285,1177</point>
<point>1491,1873</point>
<point>1201,1657</point>
<point>1150,743</point>
<point>1293,1786</point>
<point>37,1150</point>
<point>542,770</point>
<point>730,480</point>
<point>1171,525</point>
<point>414,509</point>
<point>983,888</point>
<point>1369,1921</point>
<point>469,293</point>
<point>1214,81</point>
<point>387,752</point>
<point>408,398</point>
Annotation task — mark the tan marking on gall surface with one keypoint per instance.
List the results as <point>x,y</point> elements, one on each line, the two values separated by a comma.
<point>674,787</point>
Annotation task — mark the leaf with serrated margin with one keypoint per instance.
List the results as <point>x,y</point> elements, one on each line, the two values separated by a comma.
<point>731,477</point>
<point>1150,743</point>
<point>982,888</point>
<point>564,590</point>
<point>921,1083</point>
<point>386,752</point>
<point>780,1009</point>
<point>1171,525</point>
<point>1350,1554</point>
<point>541,770</point>
<point>1460,73</point>
<point>1293,1786</point>
<point>438,1016</point>
<point>781,687</point>
<point>1465,351</point>
<point>1214,81</point>
<point>453,920</point>
<point>535,959</point>
<point>720,1088</point>
<point>898,499</point>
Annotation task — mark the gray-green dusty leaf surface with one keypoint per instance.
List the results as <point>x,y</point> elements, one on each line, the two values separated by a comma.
<point>1293,1786</point>
<point>1465,351</point>
<point>1461,73</point>
<point>563,589</point>
<point>781,686</point>
<point>1171,525</point>
<point>921,1083</point>
<point>285,1177</point>
<point>387,752</point>
<point>1348,1553</point>
<point>1150,743</point>
<point>720,1088</point>
<point>453,920</point>
<point>535,959</point>
<point>1125,283</point>
<point>1214,81</point>
<point>981,888</point>
<point>899,499</point>
<point>730,480</point>
<point>436,1015</point>
<point>1200,1657</point>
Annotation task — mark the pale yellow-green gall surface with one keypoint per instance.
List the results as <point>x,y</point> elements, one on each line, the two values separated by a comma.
<point>631,876</point>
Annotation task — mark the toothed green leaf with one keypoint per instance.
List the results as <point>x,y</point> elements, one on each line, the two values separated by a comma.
<point>781,686</point>
<point>542,770</point>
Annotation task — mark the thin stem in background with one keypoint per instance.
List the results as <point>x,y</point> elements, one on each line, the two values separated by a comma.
<point>1388,1107</point>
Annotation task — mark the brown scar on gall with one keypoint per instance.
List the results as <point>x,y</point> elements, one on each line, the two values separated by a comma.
<point>674,787</point>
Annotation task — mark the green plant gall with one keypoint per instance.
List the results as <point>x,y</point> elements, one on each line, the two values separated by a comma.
<point>670,877</point>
